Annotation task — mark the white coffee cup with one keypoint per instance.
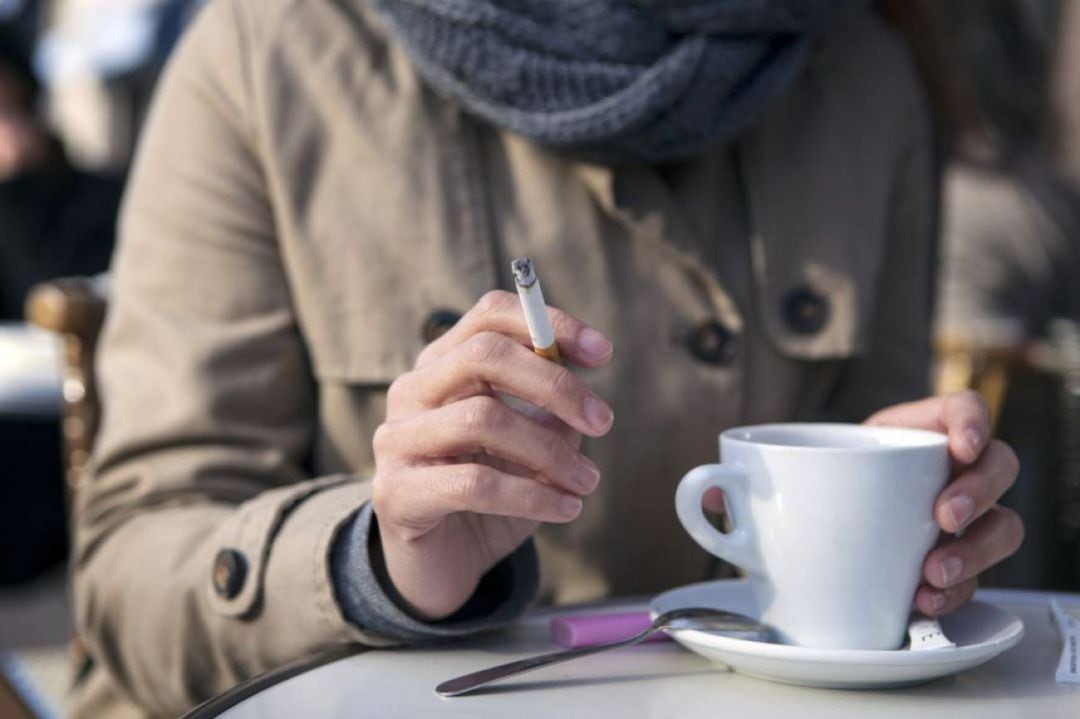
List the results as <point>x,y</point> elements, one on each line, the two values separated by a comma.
<point>831,523</point>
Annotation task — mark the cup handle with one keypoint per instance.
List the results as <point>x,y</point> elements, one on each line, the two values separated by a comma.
<point>736,546</point>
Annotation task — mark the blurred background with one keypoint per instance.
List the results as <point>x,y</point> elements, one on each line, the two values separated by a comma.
<point>76,77</point>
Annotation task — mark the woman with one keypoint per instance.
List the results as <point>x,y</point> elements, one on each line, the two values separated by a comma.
<point>730,204</point>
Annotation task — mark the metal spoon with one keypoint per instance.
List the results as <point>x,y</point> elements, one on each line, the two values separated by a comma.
<point>708,620</point>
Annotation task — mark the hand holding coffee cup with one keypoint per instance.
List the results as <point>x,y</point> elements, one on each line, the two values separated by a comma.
<point>982,471</point>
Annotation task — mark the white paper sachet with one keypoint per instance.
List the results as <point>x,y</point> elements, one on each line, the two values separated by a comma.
<point>1068,623</point>
<point>925,633</point>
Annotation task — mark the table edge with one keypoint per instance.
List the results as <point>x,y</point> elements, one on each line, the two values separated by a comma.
<point>215,706</point>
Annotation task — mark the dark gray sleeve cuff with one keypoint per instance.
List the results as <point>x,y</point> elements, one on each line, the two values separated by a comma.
<point>366,600</point>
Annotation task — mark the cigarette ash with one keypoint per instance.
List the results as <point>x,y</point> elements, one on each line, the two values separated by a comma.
<point>524,275</point>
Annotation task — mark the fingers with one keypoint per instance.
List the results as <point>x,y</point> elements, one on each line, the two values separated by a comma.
<point>713,500</point>
<point>421,497</point>
<point>984,470</point>
<point>935,602</point>
<point>546,419</point>
<point>501,312</point>
<point>967,422</point>
<point>951,570</point>
<point>993,537</point>
<point>490,361</point>
<point>961,415</point>
<point>485,424</point>
<point>978,488</point>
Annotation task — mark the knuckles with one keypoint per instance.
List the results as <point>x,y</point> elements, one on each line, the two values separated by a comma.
<point>494,303</point>
<point>563,383</point>
<point>472,481</point>
<point>481,415</point>
<point>399,389</point>
<point>427,356</point>
<point>488,348</point>
<point>382,441</point>
<point>532,501</point>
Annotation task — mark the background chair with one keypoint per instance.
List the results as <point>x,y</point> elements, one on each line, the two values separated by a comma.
<point>36,673</point>
<point>74,308</point>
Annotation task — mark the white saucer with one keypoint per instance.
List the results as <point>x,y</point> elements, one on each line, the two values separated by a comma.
<point>981,631</point>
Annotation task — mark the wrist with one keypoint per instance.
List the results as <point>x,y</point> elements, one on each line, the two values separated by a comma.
<point>425,587</point>
<point>502,594</point>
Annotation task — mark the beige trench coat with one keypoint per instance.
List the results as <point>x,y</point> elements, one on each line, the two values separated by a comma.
<point>301,207</point>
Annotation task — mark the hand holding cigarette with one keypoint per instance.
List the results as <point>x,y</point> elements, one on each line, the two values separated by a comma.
<point>461,478</point>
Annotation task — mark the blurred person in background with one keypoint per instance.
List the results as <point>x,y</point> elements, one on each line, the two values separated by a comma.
<point>100,60</point>
<point>56,220</point>
<point>731,202</point>
<point>1011,236</point>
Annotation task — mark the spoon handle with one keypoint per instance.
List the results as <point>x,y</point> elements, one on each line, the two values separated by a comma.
<point>469,682</point>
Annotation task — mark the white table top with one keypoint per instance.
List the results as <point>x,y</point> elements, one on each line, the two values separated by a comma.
<point>662,680</point>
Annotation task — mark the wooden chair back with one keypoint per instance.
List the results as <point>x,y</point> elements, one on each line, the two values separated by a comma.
<point>74,309</point>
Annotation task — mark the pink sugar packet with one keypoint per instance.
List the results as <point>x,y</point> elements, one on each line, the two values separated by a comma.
<point>584,630</point>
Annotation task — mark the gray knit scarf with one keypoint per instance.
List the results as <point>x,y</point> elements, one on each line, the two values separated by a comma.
<point>613,80</point>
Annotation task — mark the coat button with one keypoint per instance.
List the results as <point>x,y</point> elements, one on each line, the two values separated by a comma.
<point>438,323</point>
<point>230,569</point>
<point>805,311</point>
<point>712,343</point>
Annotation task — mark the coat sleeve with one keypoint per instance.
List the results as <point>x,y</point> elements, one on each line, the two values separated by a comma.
<point>208,408</point>
<point>204,550</point>
<point>895,363</point>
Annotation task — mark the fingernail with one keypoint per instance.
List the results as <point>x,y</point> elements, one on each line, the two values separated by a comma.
<point>594,344</point>
<point>974,438</point>
<point>951,569</point>
<point>569,505</point>
<point>960,508</point>
<point>598,413</point>
<point>588,476</point>
<point>937,601</point>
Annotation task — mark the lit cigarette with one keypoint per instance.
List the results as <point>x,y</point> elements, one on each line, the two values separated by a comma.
<point>536,316</point>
